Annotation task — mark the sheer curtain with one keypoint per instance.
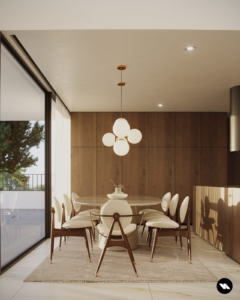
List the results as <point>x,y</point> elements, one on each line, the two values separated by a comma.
<point>61,148</point>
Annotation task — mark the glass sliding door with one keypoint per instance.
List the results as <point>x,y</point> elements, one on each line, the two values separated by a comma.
<point>22,160</point>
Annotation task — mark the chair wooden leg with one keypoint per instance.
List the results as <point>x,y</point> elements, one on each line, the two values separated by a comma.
<point>130,253</point>
<point>86,243</point>
<point>180,241</point>
<point>60,243</point>
<point>101,258</point>
<point>65,240</point>
<point>130,250</point>
<point>51,248</point>
<point>147,235</point>
<point>144,225</point>
<point>150,237</point>
<point>190,249</point>
<point>93,234</point>
<point>90,233</point>
<point>154,244</point>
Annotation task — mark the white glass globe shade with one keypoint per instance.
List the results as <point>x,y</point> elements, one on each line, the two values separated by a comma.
<point>121,147</point>
<point>108,139</point>
<point>121,127</point>
<point>134,136</point>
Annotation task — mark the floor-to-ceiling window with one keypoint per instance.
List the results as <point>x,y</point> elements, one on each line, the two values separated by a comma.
<point>22,160</point>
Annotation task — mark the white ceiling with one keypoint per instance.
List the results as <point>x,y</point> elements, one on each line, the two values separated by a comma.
<point>124,14</point>
<point>81,66</point>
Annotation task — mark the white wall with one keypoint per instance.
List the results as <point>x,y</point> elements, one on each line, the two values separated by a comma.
<point>22,200</point>
<point>125,14</point>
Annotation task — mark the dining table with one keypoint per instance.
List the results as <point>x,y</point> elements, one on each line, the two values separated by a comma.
<point>134,201</point>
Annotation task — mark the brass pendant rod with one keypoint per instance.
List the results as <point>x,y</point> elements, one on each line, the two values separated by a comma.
<point>121,94</point>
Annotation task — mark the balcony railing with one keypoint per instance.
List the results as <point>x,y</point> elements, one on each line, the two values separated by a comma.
<point>22,182</point>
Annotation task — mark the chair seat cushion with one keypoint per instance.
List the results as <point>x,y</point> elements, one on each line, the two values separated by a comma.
<point>86,214</point>
<point>77,223</point>
<point>162,223</point>
<point>154,215</point>
<point>104,230</point>
<point>148,210</point>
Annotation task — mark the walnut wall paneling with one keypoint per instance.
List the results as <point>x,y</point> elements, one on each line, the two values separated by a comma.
<point>233,168</point>
<point>135,171</point>
<point>161,129</point>
<point>187,172</point>
<point>178,151</point>
<point>188,129</point>
<point>83,169</point>
<point>109,166</point>
<point>214,166</point>
<point>105,121</point>
<point>214,129</point>
<point>161,172</point>
<point>83,129</point>
<point>138,120</point>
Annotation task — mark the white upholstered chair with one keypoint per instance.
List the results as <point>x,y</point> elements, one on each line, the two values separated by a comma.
<point>68,214</point>
<point>77,207</point>
<point>154,212</point>
<point>167,227</point>
<point>116,217</point>
<point>172,212</point>
<point>76,227</point>
<point>85,213</point>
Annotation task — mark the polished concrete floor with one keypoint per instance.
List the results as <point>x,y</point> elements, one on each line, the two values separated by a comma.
<point>13,287</point>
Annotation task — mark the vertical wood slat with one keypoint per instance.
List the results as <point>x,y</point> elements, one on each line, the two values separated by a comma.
<point>109,167</point>
<point>188,172</point>
<point>214,129</point>
<point>83,129</point>
<point>161,172</point>
<point>161,129</point>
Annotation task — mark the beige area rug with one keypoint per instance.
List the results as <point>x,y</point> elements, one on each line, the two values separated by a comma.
<point>170,264</point>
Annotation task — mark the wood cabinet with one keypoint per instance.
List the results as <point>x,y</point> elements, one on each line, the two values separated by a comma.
<point>217,217</point>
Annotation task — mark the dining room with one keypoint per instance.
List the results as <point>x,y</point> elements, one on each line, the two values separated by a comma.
<point>119,164</point>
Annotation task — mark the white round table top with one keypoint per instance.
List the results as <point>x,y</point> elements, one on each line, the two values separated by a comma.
<point>132,200</point>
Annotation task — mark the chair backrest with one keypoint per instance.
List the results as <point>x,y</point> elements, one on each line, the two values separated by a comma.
<point>166,202</point>
<point>174,204</point>
<point>68,206</point>
<point>75,205</point>
<point>116,206</point>
<point>183,209</point>
<point>58,209</point>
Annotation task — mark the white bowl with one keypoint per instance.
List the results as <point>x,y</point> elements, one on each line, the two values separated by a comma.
<point>117,196</point>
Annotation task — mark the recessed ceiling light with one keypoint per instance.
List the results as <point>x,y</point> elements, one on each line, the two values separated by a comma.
<point>160,105</point>
<point>190,48</point>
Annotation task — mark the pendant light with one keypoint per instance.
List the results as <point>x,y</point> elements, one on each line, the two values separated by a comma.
<point>122,131</point>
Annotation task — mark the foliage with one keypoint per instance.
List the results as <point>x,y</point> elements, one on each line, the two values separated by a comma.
<point>16,140</point>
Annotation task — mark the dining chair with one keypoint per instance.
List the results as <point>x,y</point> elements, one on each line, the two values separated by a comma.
<point>68,216</point>
<point>76,227</point>
<point>172,212</point>
<point>116,227</point>
<point>86,213</point>
<point>167,227</point>
<point>165,206</point>
<point>77,207</point>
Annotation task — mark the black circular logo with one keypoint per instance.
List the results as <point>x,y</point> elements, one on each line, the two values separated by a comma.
<point>224,286</point>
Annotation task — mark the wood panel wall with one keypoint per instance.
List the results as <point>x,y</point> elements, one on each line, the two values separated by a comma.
<point>217,217</point>
<point>177,152</point>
